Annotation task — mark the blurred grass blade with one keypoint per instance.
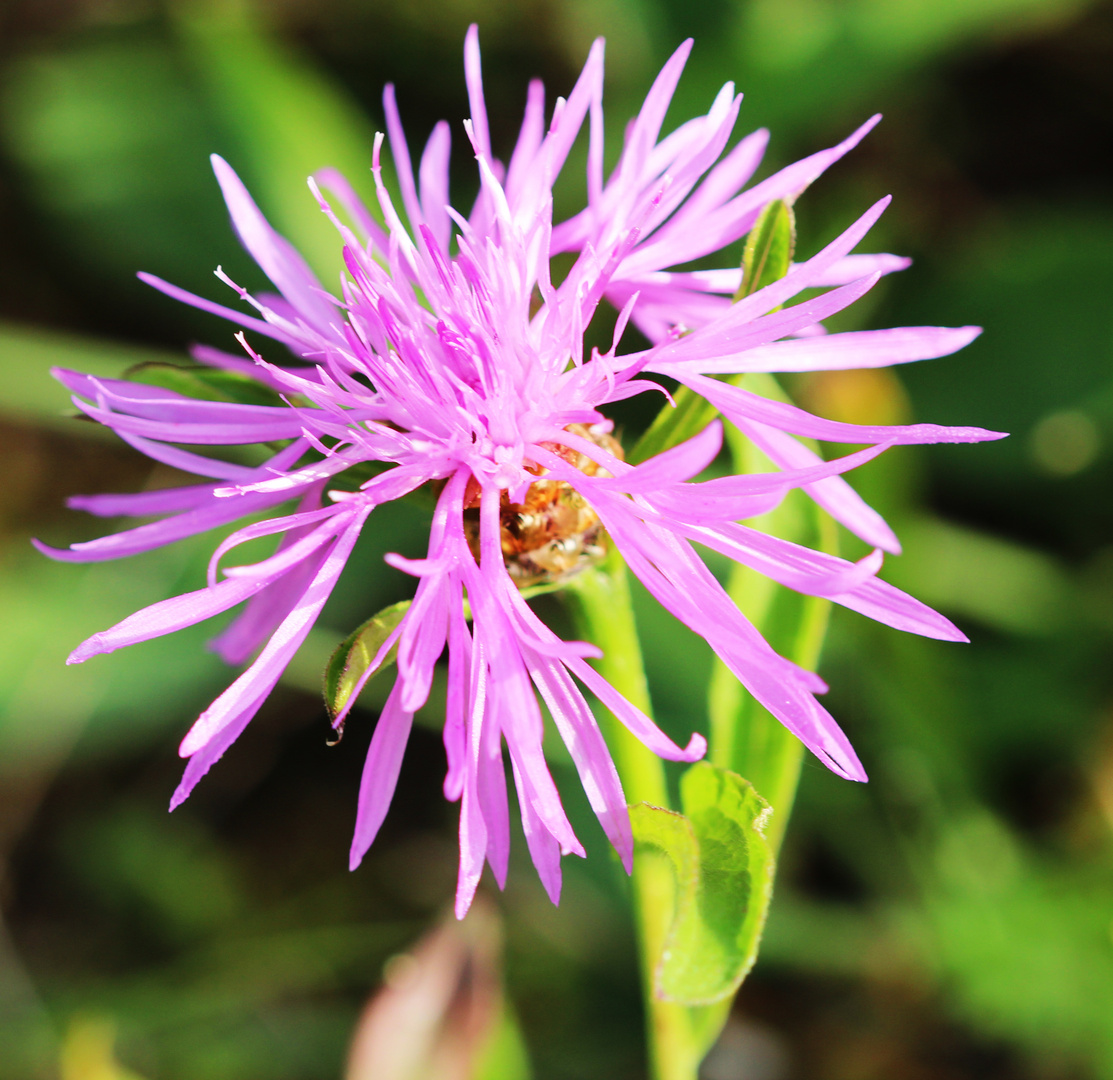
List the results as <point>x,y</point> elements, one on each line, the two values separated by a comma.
<point>1008,586</point>
<point>88,1051</point>
<point>287,118</point>
<point>26,356</point>
<point>355,653</point>
<point>108,138</point>
<point>202,383</point>
<point>724,875</point>
<point>504,1055</point>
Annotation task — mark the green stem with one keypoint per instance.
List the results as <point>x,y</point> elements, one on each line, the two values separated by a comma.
<point>604,615</point>
<point>744,736</point>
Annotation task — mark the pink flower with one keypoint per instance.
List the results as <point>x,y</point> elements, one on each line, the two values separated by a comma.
<point>467,372</point>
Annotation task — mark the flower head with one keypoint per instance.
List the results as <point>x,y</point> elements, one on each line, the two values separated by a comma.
<point>450,358</point>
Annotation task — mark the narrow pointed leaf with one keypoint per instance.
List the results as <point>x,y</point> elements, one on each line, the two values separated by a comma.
<point>765,259</point>
<point>355,653</point>
<point>769,248</point>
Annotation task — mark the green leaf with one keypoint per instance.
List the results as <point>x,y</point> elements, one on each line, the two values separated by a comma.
<point>353,656</point>
<point>203,383</point>
<point>723,867</point>
<point>769,248</point>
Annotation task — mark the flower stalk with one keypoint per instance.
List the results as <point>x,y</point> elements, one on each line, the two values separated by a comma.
<point>603,613</point>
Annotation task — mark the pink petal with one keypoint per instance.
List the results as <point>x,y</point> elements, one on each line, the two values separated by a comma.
<point>647,124</point>
<point>422,641</point>
<point>284,424</point>
<point>793,565</point>
<point>165,617</point>
<point>835,495</point>
<point>380,774</point>
<point>261,677</point>
<point>265,612</point>
<point>275,255</point>
<point>209,755</point>
<point>679,242</point>
<point>401,154</point>
<point>589,751</point>
<point>473,76</point>
<point>729,335</point>
<point>529,140</point>
<point>544,849</point>
<point>160,533</point>
<point>674,465</point>
<point>853,267</point>
<point>456,706</point>
<point>217,358</point>
<point>352,204</point>
<point>857,349</point>
<point>161,501</point>
<point>199,302</point>
<point>296,526</point>
<point>433,178</point>
<point>750,406</point>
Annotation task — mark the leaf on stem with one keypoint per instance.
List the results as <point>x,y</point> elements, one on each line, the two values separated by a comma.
<point>724,868</point>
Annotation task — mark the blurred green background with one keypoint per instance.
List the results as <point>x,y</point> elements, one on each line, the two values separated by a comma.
<point>952,919</point>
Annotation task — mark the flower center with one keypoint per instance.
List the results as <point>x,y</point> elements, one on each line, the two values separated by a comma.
<point>553,534</point>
